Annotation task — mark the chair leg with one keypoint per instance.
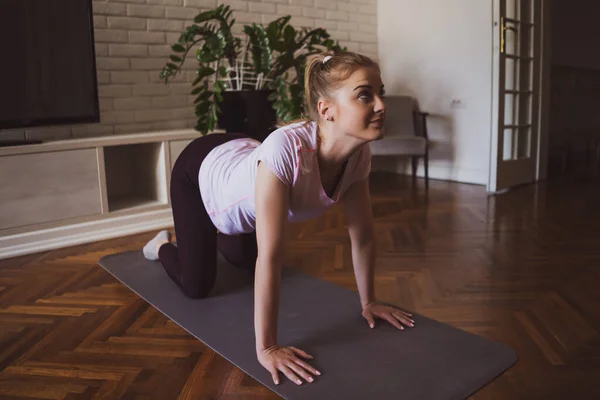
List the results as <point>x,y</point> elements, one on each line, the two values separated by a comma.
<point>426,165</point>
<point>414,169</point>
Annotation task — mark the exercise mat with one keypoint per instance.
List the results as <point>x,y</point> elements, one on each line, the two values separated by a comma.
<point>430,361</point>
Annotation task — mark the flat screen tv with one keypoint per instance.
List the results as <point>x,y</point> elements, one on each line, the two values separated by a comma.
<point>48,68</point>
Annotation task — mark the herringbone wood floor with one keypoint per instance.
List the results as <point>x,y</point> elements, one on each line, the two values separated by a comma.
<point>522,268</point>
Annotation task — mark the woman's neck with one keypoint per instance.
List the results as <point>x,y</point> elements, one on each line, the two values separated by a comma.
<point>333,149</point>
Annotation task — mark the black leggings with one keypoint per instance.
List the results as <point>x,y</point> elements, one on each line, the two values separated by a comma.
<point>192,264</point>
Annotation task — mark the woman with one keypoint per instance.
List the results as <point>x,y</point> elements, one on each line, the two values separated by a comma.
<point>236,194</point>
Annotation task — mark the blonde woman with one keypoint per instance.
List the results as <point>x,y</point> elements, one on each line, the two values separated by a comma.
<point>249,191</point>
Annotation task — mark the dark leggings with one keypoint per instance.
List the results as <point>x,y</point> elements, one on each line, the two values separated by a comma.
<point>192,264</point>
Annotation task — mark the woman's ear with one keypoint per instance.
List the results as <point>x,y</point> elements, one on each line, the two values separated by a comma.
<point>325,110</point>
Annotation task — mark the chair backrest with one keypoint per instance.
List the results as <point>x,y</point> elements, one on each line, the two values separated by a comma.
<point>400,115</point>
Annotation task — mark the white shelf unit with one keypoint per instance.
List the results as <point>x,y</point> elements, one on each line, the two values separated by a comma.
<point>69,192</point>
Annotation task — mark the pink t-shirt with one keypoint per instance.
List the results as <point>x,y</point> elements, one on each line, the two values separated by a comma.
<point>227,176</point>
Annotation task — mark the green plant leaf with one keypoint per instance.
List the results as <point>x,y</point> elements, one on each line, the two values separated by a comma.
<point>266,55</point>
<point>274,33</point>
<point>197,80</point>
<point>178,48</point>
<point>203,96</point>
<point>207,15</point>
<point>289,36</point>
<point>202,107</point>
<point>276,26</point>
<point>255,49</point>
<point>204,71</point>
<point>204,55</point>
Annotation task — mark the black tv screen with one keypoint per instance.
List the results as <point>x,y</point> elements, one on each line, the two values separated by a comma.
<point>48,68</point>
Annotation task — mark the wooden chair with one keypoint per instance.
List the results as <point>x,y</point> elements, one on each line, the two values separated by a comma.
<point>406,133</point>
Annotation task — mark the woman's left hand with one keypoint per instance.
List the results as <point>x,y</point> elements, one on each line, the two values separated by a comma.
<point>390,314</point>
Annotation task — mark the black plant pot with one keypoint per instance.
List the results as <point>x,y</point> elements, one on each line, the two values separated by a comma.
<point>249,112</point>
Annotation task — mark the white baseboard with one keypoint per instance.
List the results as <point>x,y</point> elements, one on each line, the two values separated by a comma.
<point>75,234</point>
<point>441,171</point>
<point>462,175</point>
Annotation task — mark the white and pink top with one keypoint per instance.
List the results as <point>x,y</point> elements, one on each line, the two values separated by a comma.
<point>227,176</point>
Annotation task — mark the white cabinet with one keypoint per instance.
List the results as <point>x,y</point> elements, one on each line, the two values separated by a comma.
<point>76,191</point>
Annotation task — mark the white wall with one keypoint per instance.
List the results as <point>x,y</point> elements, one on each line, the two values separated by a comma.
<point>440,50</point>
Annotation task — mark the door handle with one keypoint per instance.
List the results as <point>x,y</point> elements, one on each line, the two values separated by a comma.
<point>504,28</point>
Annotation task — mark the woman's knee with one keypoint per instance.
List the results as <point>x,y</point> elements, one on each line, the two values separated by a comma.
<point>197,289</point>
<point>196,292</point>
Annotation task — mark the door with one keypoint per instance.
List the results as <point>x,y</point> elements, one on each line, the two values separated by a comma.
<point>516,94</point>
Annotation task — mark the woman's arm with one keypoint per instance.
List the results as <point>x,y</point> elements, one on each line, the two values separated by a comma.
<point>362,231</point>
<point>271,201</point>
<point>272,197</point>
<point>357,203</point>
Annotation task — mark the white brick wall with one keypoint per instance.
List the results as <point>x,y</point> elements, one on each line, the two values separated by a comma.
<point>133,39</point>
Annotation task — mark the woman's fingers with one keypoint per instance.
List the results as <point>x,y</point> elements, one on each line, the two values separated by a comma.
<point>404,318</point>
<point>369,317</point>
<point>306,366</point>
<point>389,318</point>
<point>290,374</point>
<point>404,314</point>
<point>301,353</point>
<point>275,375</point>
<point>293,365</point>
<point>301,367</point>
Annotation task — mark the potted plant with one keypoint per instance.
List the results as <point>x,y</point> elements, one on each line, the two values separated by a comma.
<point>246,85</point>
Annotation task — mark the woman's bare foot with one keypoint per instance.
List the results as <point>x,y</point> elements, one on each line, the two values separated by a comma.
<point>151,248</point>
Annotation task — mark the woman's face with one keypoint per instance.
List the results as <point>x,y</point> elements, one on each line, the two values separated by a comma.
<point>358,109</point>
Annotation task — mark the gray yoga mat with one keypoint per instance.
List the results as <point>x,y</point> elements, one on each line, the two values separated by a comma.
<point>430,361</point>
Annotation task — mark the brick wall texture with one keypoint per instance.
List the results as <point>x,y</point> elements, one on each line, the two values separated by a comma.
<point>133,39</point>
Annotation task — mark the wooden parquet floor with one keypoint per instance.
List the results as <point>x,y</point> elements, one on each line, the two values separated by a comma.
<point>522,268</point>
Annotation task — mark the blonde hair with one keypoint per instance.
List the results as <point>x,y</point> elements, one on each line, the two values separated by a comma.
<point>324,73</point>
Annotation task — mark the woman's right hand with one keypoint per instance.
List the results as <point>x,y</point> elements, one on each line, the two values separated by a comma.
<point>286,359</point>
